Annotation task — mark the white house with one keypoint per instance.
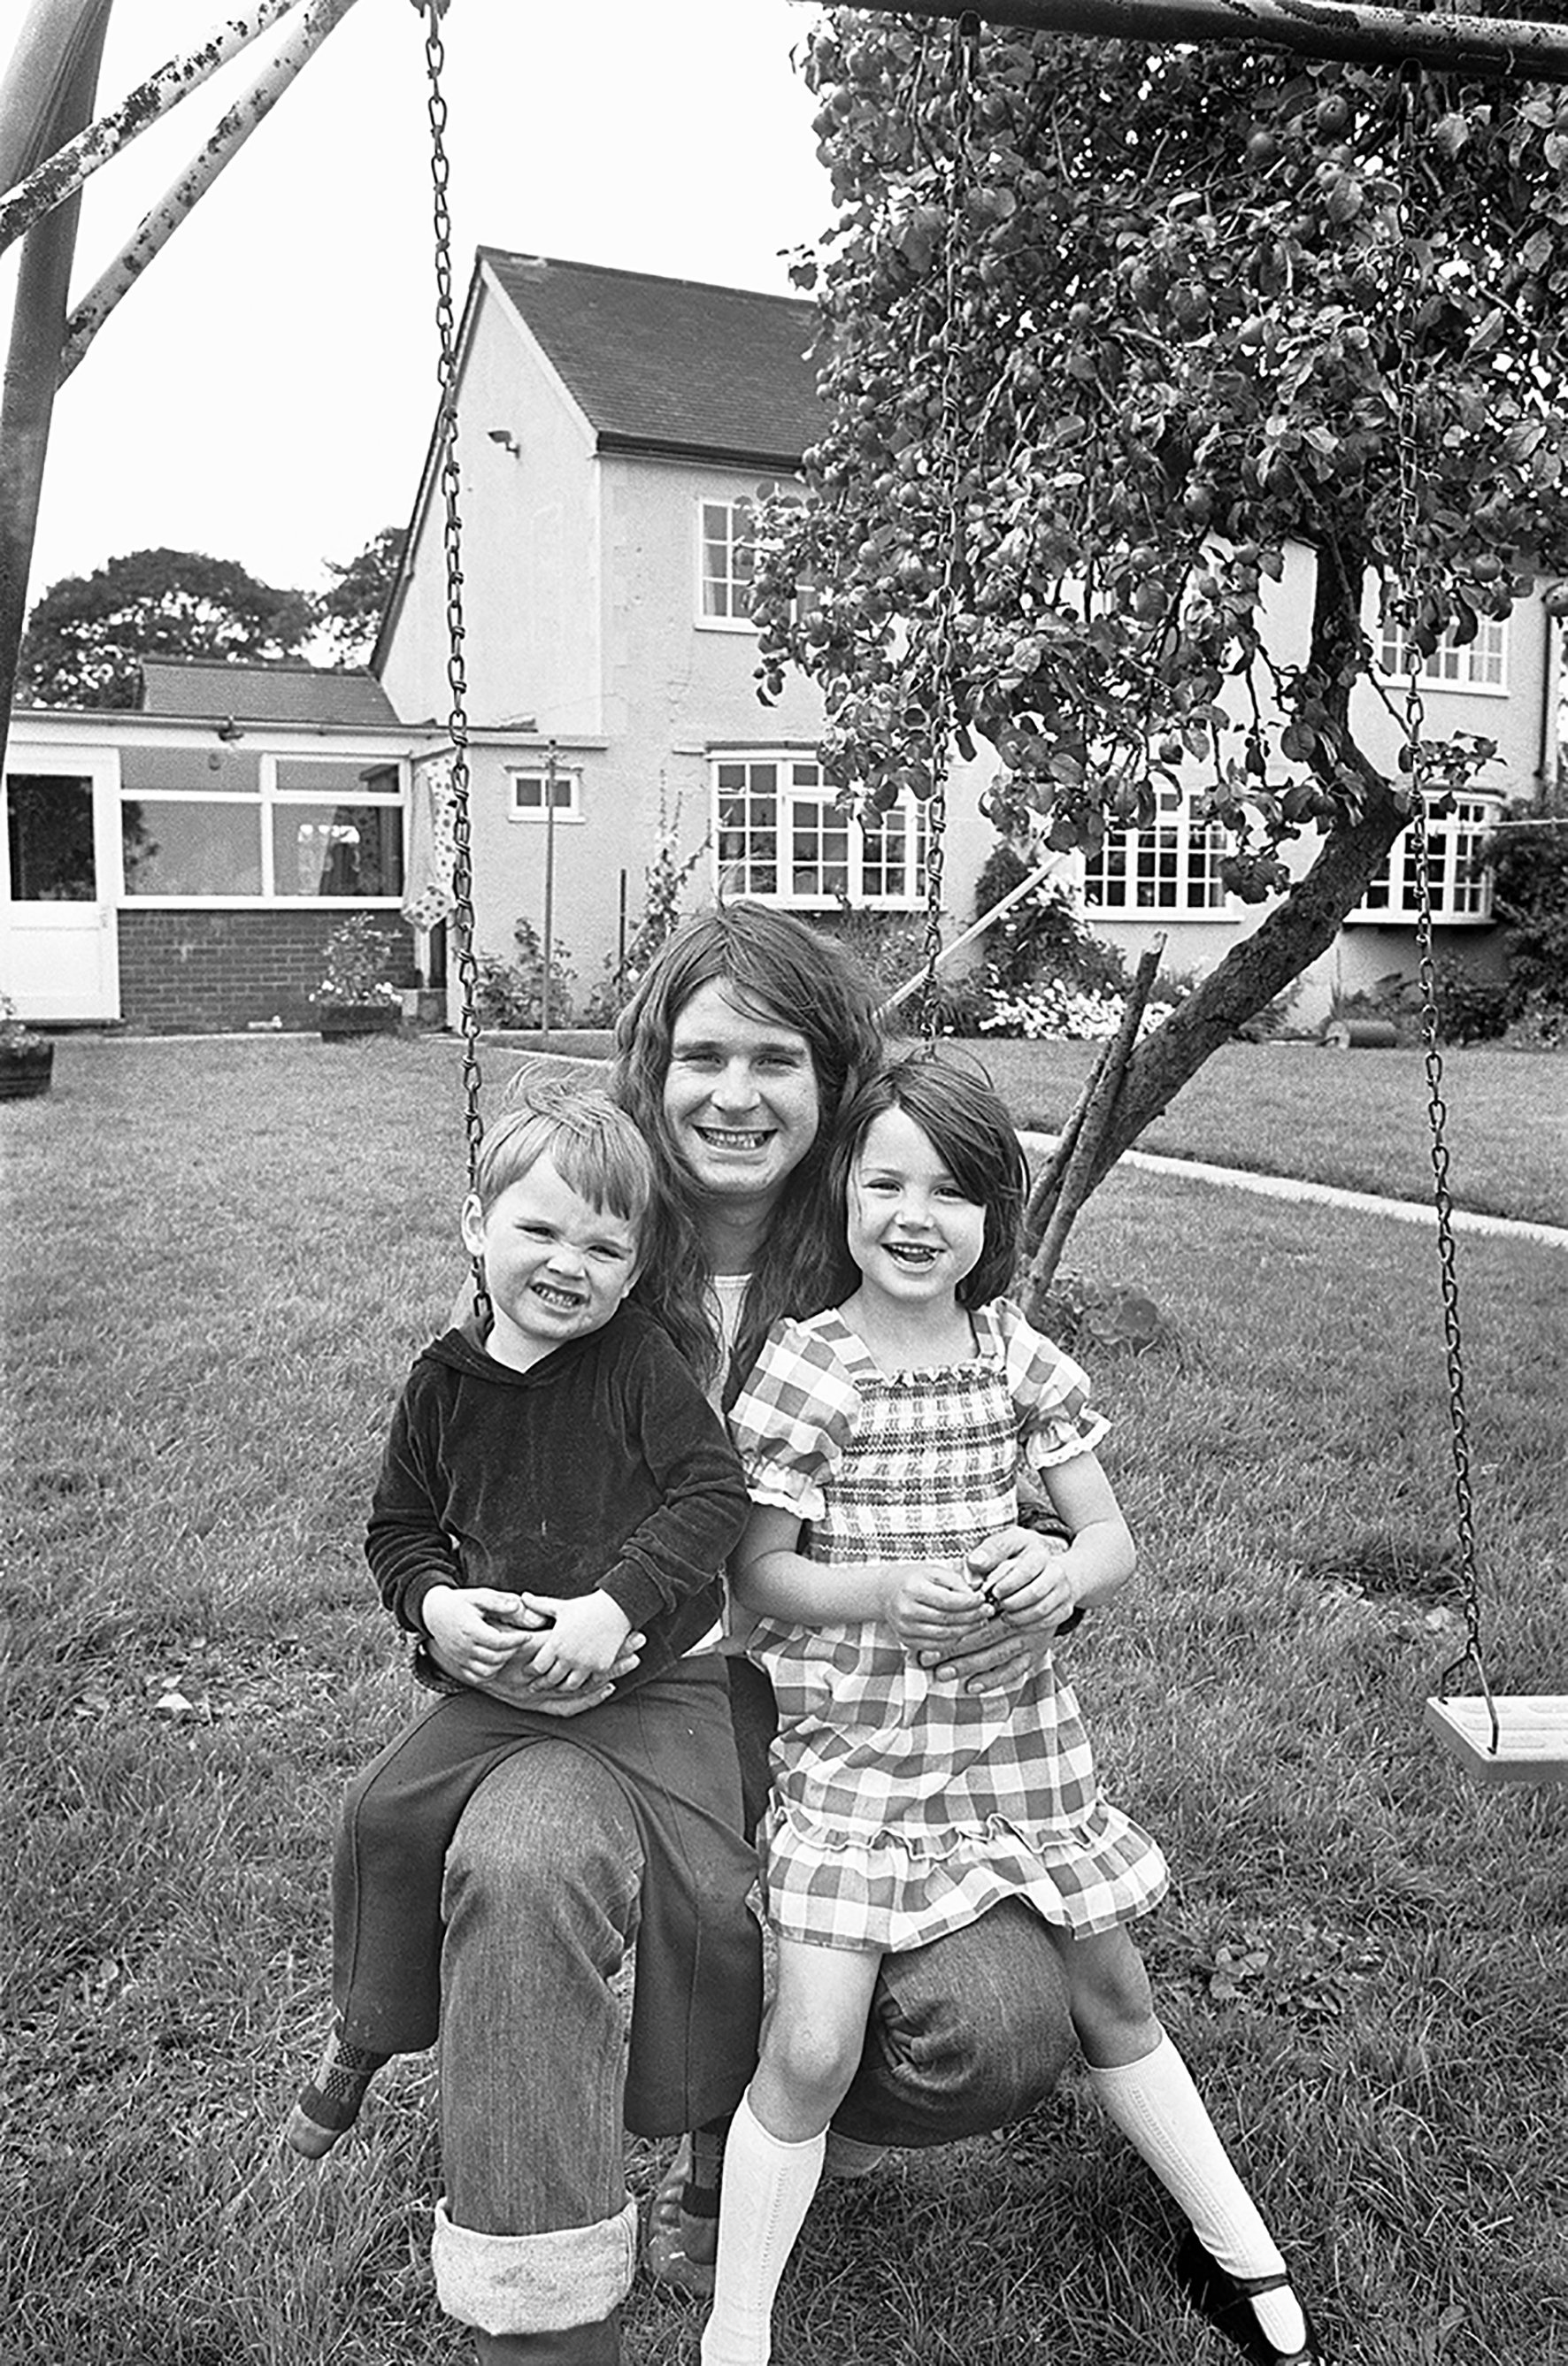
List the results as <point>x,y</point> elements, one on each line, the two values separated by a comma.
<point>613,430</point>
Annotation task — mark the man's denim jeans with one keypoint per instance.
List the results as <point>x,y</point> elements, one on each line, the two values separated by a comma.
<point>537,2232</point>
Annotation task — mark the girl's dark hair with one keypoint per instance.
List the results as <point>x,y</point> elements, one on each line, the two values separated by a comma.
<point>776,967</point>
<point>972,1134</point>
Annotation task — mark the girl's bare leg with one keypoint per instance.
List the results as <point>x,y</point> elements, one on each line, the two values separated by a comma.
<point>772,2160</point>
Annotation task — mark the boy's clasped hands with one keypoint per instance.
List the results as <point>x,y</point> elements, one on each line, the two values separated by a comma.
<point>566,1643</point>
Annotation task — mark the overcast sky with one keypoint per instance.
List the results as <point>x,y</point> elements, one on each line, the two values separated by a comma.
<point>265,392</point>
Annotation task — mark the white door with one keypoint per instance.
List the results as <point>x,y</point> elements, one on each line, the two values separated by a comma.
<point>59,952</point>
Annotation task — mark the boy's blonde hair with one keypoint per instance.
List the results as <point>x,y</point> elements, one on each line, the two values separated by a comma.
<point>595,1148</point>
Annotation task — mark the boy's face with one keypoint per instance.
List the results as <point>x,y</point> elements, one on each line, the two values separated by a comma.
<point>555,1267</point>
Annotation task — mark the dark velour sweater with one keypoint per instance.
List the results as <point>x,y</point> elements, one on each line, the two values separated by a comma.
<point>604,1465</point>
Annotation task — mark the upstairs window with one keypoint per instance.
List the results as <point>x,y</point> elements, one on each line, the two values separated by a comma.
<point>727,538</point>
<point>1480,664</point>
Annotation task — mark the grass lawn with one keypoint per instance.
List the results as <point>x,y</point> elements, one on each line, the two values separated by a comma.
<point>1356,1119</point>
<point>220,1257</point>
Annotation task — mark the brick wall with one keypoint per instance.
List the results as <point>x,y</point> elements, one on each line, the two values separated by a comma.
<point>188,972</point>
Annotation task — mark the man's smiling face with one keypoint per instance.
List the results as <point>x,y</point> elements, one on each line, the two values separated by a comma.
<point>740,1097</point>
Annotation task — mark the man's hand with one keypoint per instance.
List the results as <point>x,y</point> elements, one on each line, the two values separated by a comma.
<point>1001,1650</point>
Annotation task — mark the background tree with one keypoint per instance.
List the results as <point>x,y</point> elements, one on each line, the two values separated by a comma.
<point>350,613</point>
<point>85,636</point>
<point>1104,329</point>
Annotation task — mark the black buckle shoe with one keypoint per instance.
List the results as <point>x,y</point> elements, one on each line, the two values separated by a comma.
<point>1226,2301</point>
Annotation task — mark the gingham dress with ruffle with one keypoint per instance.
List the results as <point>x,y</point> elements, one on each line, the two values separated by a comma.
<point>904,1808</point>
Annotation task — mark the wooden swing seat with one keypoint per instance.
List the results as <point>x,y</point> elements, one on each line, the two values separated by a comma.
<point>1532,1735</point>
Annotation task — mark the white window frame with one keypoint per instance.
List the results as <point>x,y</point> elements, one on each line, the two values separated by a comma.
<point>1176,850</point>
<point>798,776</point>
<point>1461,895</point>
<point>1478,666</point>
<point>728,586</point>
<point>568,807</point>
<point>265,801</point>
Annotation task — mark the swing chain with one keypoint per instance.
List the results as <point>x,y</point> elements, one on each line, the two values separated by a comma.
<point>1437,1115</point>
<point>1406,613</point>
<point>452,539</point>
<point>965,55</point>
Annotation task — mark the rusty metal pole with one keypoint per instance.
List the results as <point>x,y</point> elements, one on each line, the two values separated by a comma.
<point>38,330</point>
<point>32,81</point>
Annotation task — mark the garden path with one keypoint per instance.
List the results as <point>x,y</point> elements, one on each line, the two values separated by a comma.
<point>1285,1187</point>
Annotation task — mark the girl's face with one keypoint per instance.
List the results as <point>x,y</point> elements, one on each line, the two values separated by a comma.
<point>741,1095</point>
<point>912,1232</point>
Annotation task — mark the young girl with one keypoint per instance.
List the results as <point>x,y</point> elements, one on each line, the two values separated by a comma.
<point>893,1427</point>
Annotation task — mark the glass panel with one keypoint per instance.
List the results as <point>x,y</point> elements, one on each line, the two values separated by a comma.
<point>333,776</point>
<point>49,826</point>
<point>336,851</point>
<point>216,771</point>
<point>189,846</point>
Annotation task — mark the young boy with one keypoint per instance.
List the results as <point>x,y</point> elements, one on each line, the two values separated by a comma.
<point>565,1487</point>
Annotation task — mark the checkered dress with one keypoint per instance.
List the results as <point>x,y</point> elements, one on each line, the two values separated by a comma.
<point>904,1808</point>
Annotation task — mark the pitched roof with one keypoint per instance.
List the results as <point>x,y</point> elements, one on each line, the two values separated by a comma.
<point>673,365</point>
<point>210,690</point>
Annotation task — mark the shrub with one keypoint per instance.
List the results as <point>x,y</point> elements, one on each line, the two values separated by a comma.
<point>512,994</point>
<point>1041,935</point>
<point>1101,1318</point>
<point>885,947</point>
<point>1471,1009</point>
<point>359,959</point>
<point>1529,874</point>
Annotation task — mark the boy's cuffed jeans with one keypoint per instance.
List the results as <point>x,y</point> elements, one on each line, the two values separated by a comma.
<point>541,1906</point>
<point>564,1856</point>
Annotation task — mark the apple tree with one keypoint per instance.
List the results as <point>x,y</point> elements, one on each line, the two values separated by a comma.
<point>1104,328</point>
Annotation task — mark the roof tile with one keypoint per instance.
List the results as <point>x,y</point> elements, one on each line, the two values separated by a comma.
<point>673,365</point>
<point>212,690</point>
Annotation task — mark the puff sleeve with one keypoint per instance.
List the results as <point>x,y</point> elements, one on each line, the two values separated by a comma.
<point>1056,1420</point>
<point>792,1419</point>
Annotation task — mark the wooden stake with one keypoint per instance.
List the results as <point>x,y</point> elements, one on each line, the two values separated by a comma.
<point>1089,1123</point>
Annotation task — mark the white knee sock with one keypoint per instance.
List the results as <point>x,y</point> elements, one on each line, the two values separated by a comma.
<point>766,2193</point>
<point>1161,2113</point>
